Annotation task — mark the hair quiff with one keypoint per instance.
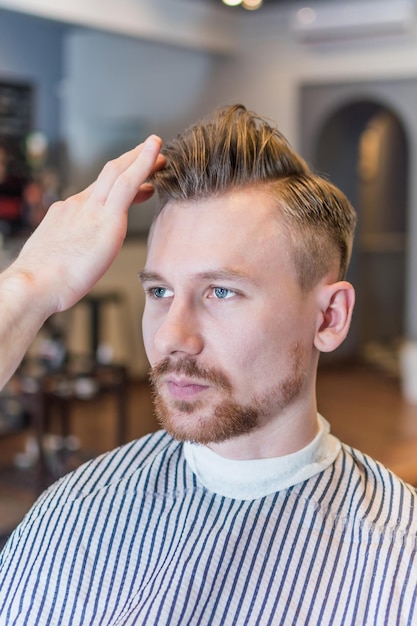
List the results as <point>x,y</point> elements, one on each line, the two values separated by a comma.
<point>235,148</point>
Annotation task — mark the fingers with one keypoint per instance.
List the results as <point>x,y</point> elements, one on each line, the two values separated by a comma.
<point>160,163</point>
<point>110,172</point>
<point>144,192</point>
<point>126,187</point>
<point>147,190</point>
<point>120,180</point>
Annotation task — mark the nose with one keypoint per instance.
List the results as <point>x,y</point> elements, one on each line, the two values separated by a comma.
<point>179,331</point>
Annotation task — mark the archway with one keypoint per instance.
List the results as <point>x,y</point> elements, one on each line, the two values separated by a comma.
<point>362,147</point>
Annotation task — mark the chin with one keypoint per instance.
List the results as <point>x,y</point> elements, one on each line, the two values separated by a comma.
<point>198,425</point>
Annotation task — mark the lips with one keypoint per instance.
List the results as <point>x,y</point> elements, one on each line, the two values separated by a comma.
<point>184,389</point>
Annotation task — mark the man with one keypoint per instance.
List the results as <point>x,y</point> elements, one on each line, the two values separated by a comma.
<point>244,509</point>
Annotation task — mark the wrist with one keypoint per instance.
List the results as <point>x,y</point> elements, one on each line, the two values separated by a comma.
<point>22,291</point>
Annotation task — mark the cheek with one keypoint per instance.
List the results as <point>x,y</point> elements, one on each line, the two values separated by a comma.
<point>243,351</point>
<point>265,350</point>
<point>148,334</point>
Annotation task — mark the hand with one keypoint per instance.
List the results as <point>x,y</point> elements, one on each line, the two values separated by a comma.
<point>79,238</point>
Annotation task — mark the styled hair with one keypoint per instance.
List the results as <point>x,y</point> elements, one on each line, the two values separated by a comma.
<point>234,149</point>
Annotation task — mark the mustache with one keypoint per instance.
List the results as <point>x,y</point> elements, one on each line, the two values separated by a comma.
<point>189,367</point>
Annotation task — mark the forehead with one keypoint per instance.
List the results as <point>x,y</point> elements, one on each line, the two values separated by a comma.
<point>244,213</point>
<point>241,231</point>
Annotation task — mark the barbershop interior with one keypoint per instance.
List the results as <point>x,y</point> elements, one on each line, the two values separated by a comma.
<point>80,83</point>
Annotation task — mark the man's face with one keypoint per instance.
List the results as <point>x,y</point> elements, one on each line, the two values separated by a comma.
<point>227,330</point>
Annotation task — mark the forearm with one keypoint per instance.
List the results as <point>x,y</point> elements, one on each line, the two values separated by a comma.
<point>23,310</point>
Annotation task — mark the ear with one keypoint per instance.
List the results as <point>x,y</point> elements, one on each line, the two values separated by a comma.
<point>336,302</point>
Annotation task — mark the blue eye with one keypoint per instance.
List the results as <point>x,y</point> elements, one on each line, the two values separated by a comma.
<point>223,293</point>
<point>160,292</point>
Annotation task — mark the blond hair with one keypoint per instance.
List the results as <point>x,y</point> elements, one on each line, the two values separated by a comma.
<point>235,149</point>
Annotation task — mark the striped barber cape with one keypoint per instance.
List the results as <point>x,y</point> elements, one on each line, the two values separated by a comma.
<point>133,538</point>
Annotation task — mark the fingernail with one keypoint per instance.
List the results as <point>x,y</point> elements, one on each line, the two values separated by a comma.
<point>151,140</point>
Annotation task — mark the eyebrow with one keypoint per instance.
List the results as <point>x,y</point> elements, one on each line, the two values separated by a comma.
<point>223,274</point>
<point>147,277</point>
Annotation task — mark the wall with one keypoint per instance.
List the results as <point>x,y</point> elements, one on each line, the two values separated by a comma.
<point>272,63</point>
<point>31,52</point>
<point>104,91</point>
<point>143,86</point>
<point>121,323</point>
<point>197,25</point>
<point>272,66</point>
<point>118,90</point>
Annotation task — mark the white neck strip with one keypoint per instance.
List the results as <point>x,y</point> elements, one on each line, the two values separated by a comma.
<point>257,478</point>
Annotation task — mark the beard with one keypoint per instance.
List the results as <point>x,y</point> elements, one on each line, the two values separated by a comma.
<point>200,421</point>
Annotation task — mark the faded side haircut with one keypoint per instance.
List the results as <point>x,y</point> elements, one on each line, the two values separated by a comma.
<point>234,149</point>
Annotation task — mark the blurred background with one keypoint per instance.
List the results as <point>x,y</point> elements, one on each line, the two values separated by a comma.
<point>81,81</point>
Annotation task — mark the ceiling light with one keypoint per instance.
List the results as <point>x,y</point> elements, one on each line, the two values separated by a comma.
<point>232,3</point>
<point>306,16</point>
<point>252,5</point>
